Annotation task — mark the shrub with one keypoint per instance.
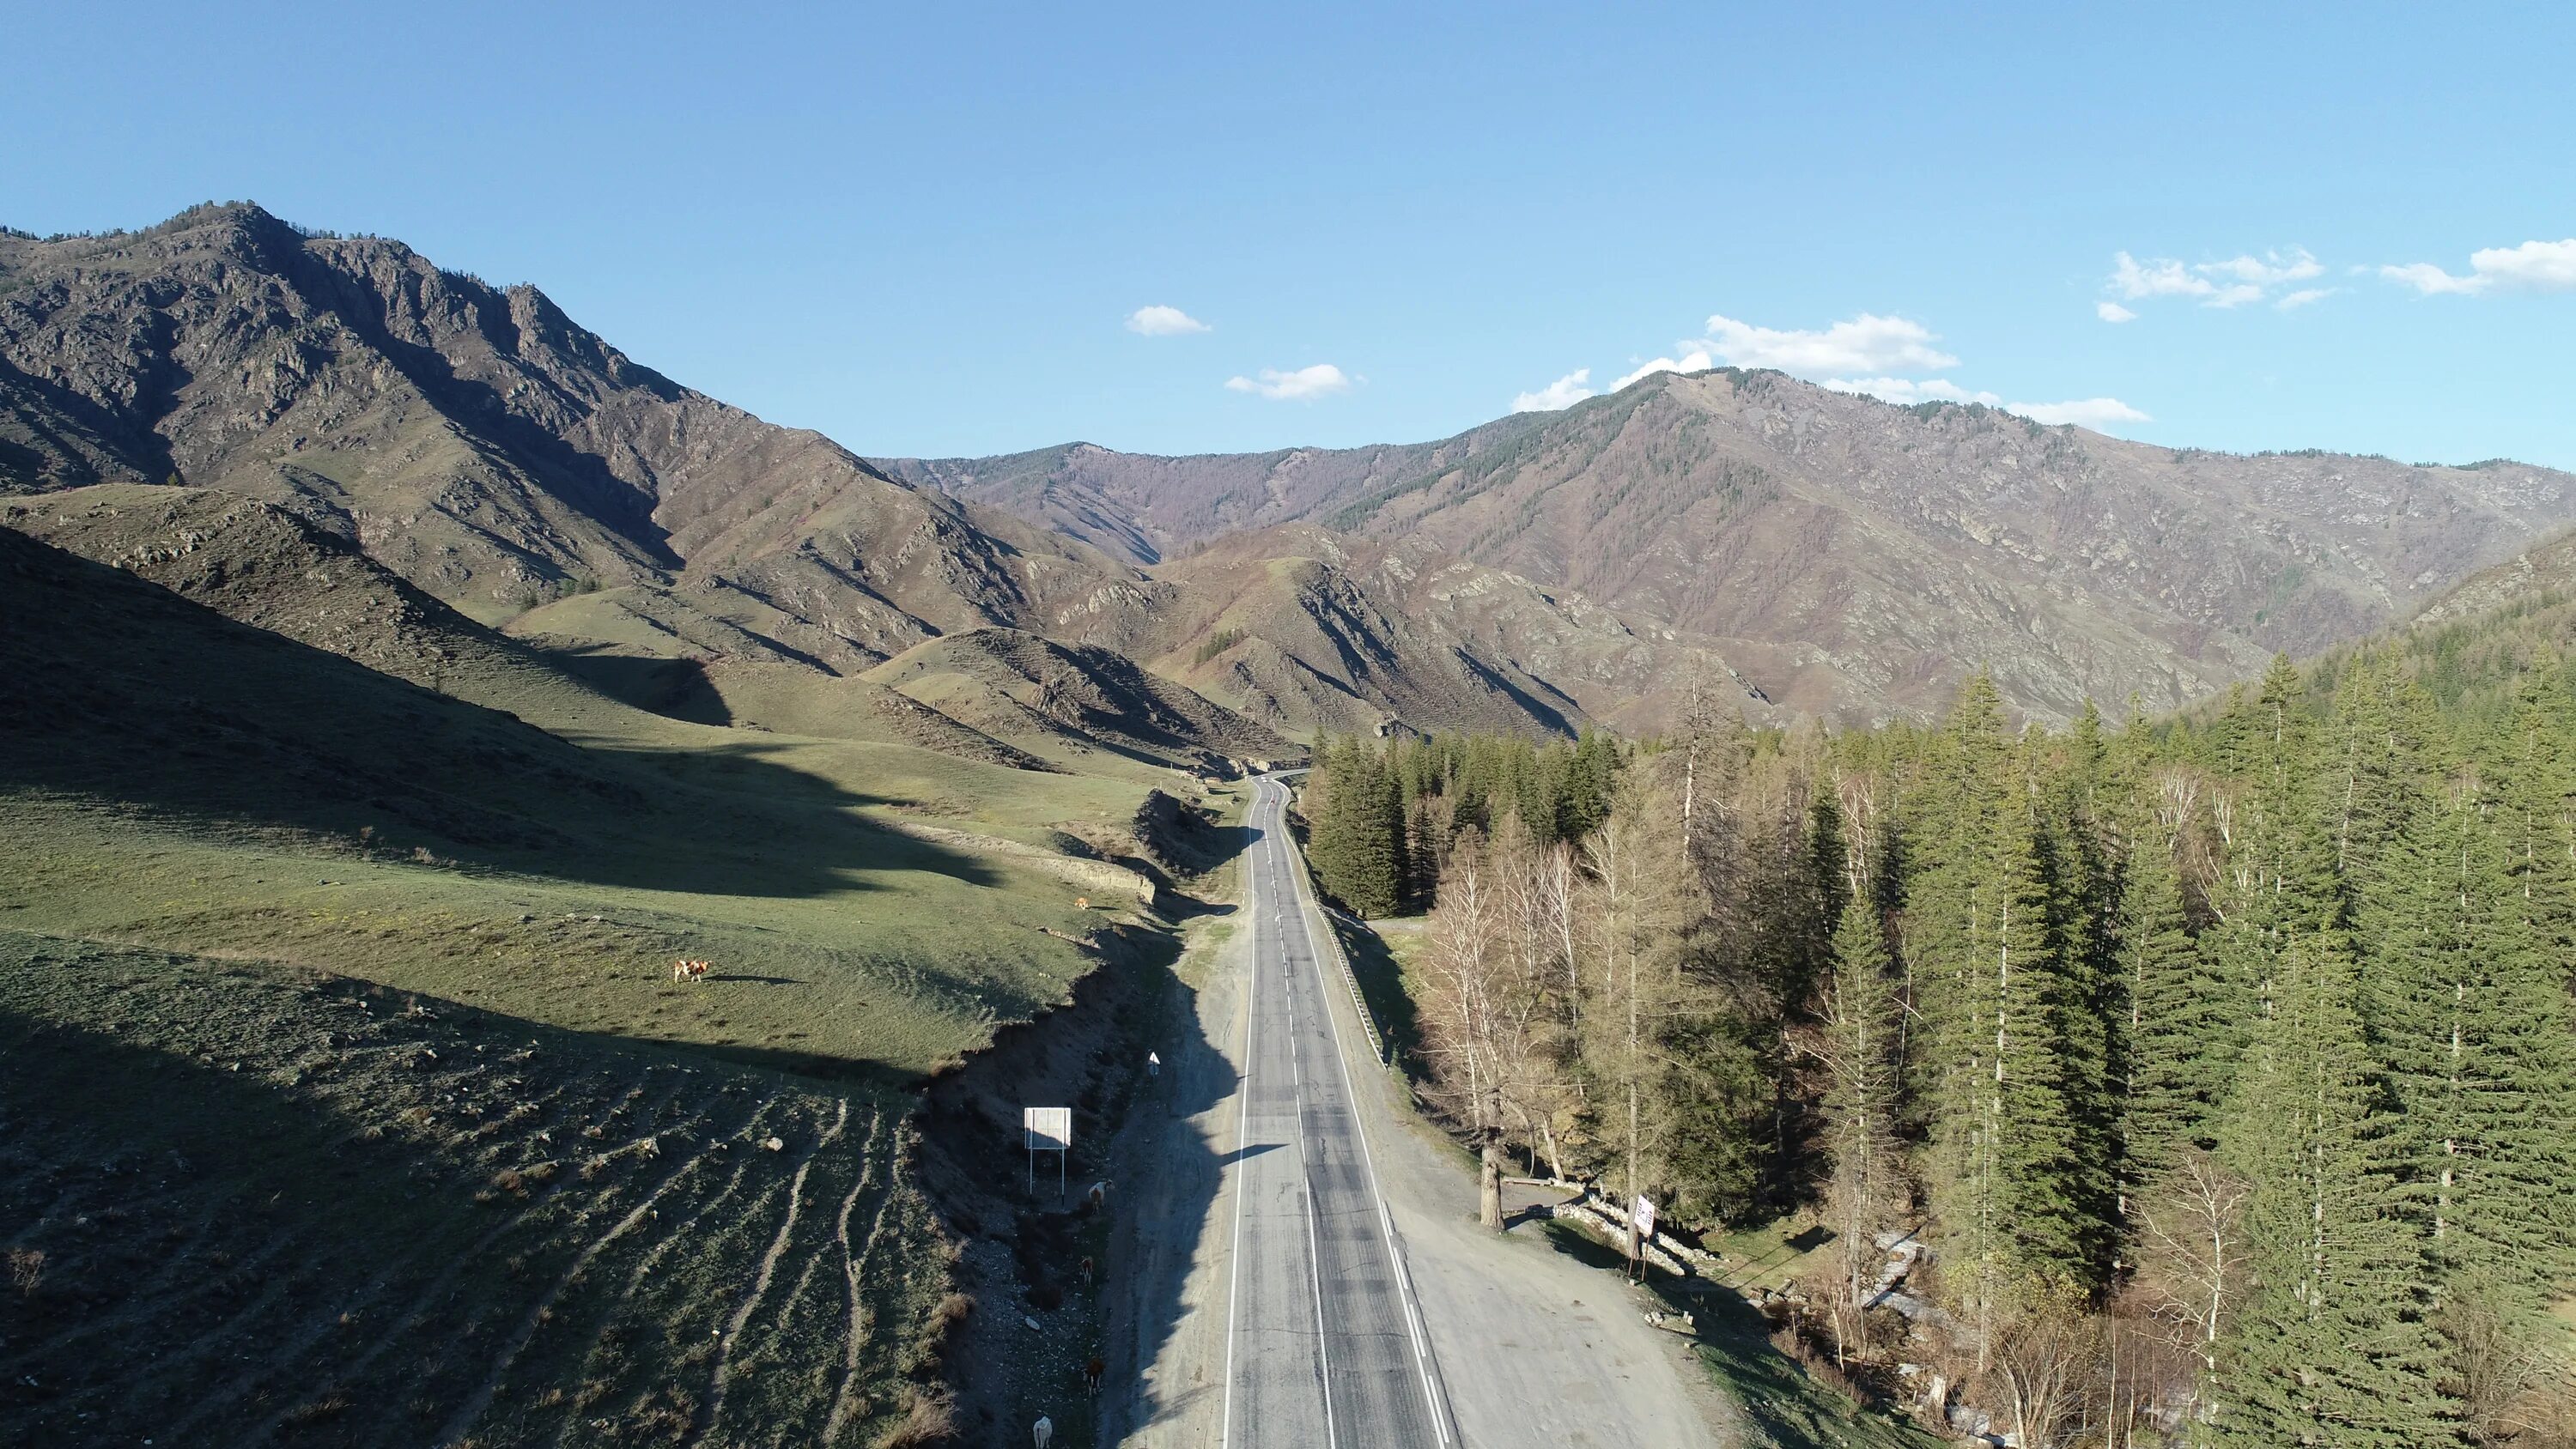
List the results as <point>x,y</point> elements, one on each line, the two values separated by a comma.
<point>26,1270</point>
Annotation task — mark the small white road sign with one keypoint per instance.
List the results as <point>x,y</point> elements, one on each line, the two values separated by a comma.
<point>1643,1215</point>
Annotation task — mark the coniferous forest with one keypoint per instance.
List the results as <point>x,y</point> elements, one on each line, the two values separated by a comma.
<point>2222,1065</point>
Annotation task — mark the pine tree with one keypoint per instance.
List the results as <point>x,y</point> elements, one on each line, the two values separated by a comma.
<point>1859,1108</point>
<point>2331,1345</point>
<point>2473,1021</point>
<point>2180,1020</point>
<point>2042,1185</point>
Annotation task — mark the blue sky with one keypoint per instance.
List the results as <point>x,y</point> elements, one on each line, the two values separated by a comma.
<point>928,229</point>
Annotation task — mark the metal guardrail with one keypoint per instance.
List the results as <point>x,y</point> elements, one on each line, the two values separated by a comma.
<point>1306,899</point>
<point>1351,978</point>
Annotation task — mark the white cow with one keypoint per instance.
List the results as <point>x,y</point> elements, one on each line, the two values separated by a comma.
<point>1043,1432</point>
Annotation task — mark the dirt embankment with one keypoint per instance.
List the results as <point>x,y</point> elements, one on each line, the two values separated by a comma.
<point>1022,1247</point>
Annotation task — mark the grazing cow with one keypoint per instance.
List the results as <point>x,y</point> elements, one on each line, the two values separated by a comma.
<point>1098,1197</point>
<point>688,970</point>
<point>1091,1373</point>
<point>1086,1272</point>
<point>1042,1432</point>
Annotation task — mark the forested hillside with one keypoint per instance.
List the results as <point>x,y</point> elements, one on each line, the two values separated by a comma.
<point>2224,1064</point>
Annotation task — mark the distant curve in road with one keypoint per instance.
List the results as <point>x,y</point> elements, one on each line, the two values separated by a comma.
<point>1325,1341</point>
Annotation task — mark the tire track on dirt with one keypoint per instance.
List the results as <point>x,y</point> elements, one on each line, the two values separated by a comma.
<point>481,1397</point>
<point>713,1406</point>
<point>439,1284</point>
<point>854,1336</point>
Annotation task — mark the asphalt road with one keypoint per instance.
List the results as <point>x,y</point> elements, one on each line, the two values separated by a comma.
<point>1325,1340</point>
<point>1255,1263</point>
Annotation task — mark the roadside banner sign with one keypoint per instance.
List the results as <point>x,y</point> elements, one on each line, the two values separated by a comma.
<point>1643,1215</point>
<point>1047,1129</point>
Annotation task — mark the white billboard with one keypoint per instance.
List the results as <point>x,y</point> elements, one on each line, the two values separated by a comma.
<point>1048,1129</point>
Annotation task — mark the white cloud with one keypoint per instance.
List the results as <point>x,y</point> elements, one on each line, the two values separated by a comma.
<point>2271,270</point>
<point>2429,279</point>
<point>2230,283</point>
<point>1304,385</point>
<point>1907,390</point>
<point>2091,412</point>
<point>1565,392</point>
<point>1866,343</point>
<point>2165,278</point>
<point>2304,296</point>
<point>2536,266</point>
<point>2542,266</point>
<point>1163,322</point>
<point>1872,356</point>
<point>1696,360</point>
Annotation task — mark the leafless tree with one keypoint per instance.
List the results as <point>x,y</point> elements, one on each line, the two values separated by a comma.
<point>1467,975</point>
<point>2045,1361</point>
<point>2193,1263</point>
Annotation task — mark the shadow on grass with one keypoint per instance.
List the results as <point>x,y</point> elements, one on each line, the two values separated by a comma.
<point>675,688</point>
<point>136,699</point>
<point>1381,982</point>
<point>254,1205</point>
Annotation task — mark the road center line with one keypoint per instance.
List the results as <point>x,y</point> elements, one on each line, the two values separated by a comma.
<point>1323,1350</point>
<point>1368,1162</point>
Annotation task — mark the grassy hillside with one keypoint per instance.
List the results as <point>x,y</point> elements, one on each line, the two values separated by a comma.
<point>248,1196</point>
<point>254,1205</point>
<point>175,778</point>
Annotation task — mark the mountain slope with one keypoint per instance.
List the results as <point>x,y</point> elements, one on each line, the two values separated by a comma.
<point>472,438</point>
<point>1854,558</point>
<point>506,462</point>
<point>1299,623</point>
<point>1011,684</point>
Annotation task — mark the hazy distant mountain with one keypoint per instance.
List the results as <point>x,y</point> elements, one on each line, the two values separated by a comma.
<point>1855,558</point>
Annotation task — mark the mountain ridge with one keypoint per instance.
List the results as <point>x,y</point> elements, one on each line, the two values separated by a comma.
<point>1853,558</point>
<point>495,455</point>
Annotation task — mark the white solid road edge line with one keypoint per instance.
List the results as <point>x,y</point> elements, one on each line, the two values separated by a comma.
<point>1242,1126</point>
<point>1368,1160</point>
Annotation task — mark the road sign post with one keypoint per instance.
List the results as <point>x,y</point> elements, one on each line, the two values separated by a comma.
<point>1047,1129</point>
<point>1641,1230</point>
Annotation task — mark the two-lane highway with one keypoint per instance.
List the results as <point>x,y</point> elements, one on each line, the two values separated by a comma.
<point>1325,1341</point>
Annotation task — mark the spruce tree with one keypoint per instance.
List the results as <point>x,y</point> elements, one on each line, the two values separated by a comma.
<point>2331,1345</point>
<point>2473,1022</point>
<point>2178,1021</point>
<point>1859,1107</point>
<point>2042,1184</point>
